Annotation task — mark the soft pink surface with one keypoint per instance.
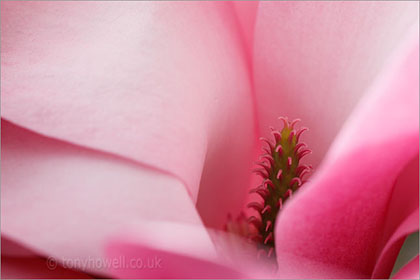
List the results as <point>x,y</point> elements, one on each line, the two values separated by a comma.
<point>246,12</point>
<point>182,251</point>
<point>63,201</point>
<point>337,218</point>
<point>128,126</point>
<point>314,60</point>
<point>410,271</point>
<point>174,265</point>
<point>160,83</point>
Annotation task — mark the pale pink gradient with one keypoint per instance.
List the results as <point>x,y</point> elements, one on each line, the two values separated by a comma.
<point>129,129</point>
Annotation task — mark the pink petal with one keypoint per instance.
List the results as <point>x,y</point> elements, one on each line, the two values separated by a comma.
<point>338,219</point>
<point>387,258</point>
<point>36,268</point>
<point>64,201</point>
<point>162,83</point>
<point>167,250</point>
<point>315,60</point>
<point>246,12</point>
<point>18,262</point>
<point>11,248</point>
<point>410,271</point>
<point>402,218</point>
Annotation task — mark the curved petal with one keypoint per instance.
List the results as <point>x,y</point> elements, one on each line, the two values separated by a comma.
<point>167,250</point>
<point>64,201</point>
<point>390,251</point>
<point>246,12</point>
<point>18,262</point>
<point>11,248</point>
<point>36,268</point>
<point>410,271</point>
<point>402,218</point>
<point>158,82</point>
<point>314,60</point>
<point>338,218</point>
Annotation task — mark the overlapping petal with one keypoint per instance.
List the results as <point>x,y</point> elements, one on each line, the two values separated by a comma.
<point>410,271</point>
<point>18,262</point>
<point>36,268</point>
<point>165,84</point>
<point>65,201</point>
<point>136,105</point>
<point>246,13</point>
<point>167,250</point>
<point>402,218</point>
<point>314,60</point>
<point>335,221</point>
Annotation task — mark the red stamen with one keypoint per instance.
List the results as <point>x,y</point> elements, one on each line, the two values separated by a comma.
<point>279,174</point>
<point>266,209</point>
<point>255,205</point>
<point>279,150</point>
<point>268,226</point>
<point>268,238</point>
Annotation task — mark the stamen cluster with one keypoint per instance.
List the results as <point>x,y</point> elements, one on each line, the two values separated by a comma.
<point>282,175</point>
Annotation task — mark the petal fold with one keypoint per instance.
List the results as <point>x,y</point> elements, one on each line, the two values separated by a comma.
<point>315,60</point>
<point>165,84</point>
<point>63,201</point>
<point>36,268</point>
<point>339,218</point>
<point>410,271</point>
<point>167,250</point>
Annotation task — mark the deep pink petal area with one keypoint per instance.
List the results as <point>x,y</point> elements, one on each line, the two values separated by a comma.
<point>410,271</point>
<point>314,60</point>
<point>402,218</point>
<point>167,250</point>
<point>11,248</point>
<point>390,251</point>
<point>293,266</point>
<point>162,83</point>
<point>36,268</point>
<point>338,219</point>
<point>64,201</point>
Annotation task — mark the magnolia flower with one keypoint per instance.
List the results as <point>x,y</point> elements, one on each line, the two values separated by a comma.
<point>130,129</point>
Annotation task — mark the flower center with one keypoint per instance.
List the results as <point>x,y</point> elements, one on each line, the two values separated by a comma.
<point>282,175</point>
